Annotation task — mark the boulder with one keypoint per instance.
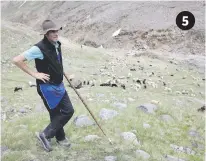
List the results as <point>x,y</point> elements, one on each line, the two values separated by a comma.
<point>142,154</point>
<point>106,114</point>
<point>130,137</point>
<point>83,121</point>
<point>148,108</point>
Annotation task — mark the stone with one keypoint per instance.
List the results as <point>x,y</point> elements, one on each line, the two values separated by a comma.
<point>106,101</point>
<point>194,133</point>
<point>197,145</point>
<point>72,76</point>
<point>22,110</point>
<point>155,102</point>
<point>182,149</point>
<point>3,149</point>
<point>2,99</point>
<point>3,116</point>
<point>119,105</point>
<point>100,95</point>
<point>121,77</point>
<point>106,114</point>
<point>83,121</point>
<point>110,158</point>
<point>172,158</point>
<point>166,118</point>
<point>130,137</point>
<point>90,99</point>
<point>127,158</point>
<point>148,108</point>
<point>134,131</point>
<point>91,138</point>
<point>76,84</point>
<point>32,84</point>
<point>142,154</point>
<point>131,99</point>
<point>146,126</point>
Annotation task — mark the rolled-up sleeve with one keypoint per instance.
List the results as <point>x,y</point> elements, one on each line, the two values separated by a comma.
<point>33,53</point>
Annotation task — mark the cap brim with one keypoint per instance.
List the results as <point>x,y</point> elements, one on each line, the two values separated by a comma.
<point>44,32</point>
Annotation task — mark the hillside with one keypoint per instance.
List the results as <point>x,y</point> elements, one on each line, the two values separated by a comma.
<point>154,118</point>
<point>144,25</point>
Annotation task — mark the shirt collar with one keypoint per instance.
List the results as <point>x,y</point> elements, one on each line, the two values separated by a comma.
<point>55,44</point>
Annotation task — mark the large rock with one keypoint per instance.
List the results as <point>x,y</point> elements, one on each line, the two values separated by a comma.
<point>91,138</point>
<point>106,114</point>
<point>119,105</point>
<point>76,83</point>
<point>130,137</point>
<point>142,154</point>
<point>83,121</point>
<point>172,158</point>
<point>148,108</point>
<point>110,158</point>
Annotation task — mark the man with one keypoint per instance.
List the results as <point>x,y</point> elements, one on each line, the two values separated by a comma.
<point>49,78</point>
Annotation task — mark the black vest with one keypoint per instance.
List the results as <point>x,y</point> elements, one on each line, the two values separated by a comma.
<point>49,64</point>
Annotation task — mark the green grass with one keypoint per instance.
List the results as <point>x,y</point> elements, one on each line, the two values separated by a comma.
<point>23,145</point>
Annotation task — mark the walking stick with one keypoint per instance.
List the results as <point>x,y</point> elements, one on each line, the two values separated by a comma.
<point>87,108</point>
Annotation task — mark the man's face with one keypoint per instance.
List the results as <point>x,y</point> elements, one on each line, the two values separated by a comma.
<point>52,35</point>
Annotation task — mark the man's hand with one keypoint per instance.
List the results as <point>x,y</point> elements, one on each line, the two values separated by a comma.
<point>41,76</point>
<point>20,62</point>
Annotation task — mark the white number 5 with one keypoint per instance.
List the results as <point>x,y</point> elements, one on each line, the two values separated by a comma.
<point>185,20</point>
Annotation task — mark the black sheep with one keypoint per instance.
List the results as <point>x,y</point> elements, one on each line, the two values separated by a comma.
<point>123,86</point>
<point>17,89</point>
<point>202,109</point>
<point>138,81</point>
<point>114,85</point>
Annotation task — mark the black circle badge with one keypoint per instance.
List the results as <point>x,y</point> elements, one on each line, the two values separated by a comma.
<point>185,20</point>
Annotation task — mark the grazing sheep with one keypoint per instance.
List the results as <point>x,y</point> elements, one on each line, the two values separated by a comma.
<point>202,109</point>
<point>17,89</point>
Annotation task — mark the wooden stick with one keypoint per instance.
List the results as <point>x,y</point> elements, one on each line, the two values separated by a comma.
<point>87,107</point>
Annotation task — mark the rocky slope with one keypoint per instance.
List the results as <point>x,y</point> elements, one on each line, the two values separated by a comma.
<point>143,24</point>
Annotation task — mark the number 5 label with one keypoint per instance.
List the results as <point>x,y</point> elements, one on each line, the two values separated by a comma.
<point>185,20</point>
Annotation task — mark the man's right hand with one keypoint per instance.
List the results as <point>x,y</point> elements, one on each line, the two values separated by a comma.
<point>19,61</point>
<point>41,76</point>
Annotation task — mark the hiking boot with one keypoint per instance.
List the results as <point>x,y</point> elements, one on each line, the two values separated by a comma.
<point>64,142</point>
<point>45,142</point>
